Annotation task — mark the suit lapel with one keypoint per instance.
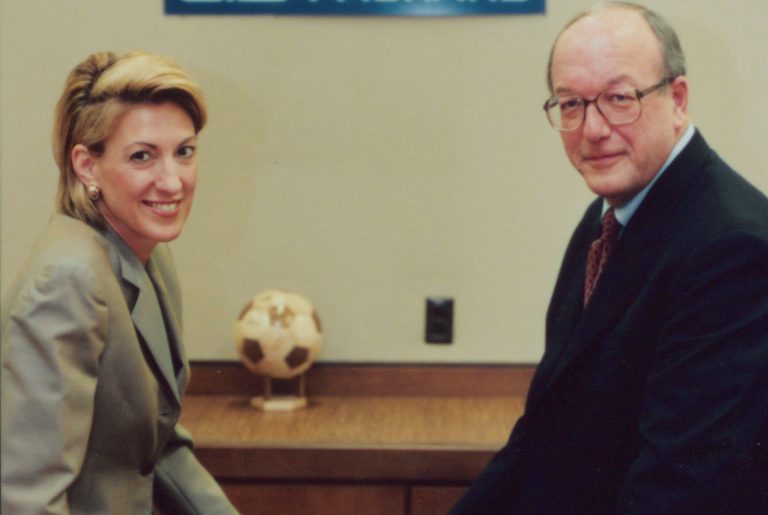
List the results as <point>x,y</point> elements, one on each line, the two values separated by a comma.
<point>569,333</point>
<point>146,313</point>
<point>172,322</point>
<point>617,288</point>
<point>148,319</point>
<point>565,308</point>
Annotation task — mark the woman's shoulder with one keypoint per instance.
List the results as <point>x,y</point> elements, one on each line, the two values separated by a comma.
<point>69,258</point>
<point>71,243</point>
<point>68,247</point>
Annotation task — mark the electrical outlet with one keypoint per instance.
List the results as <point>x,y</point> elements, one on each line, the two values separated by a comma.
<point>439,320</point>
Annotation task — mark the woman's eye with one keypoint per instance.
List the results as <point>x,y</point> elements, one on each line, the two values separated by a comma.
<point>187,151</point>
<point>141,156</point>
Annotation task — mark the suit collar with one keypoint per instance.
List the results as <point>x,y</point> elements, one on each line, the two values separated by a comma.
<point>148,302</point>
<point>625,273</point>
<point>172,322</point>
<point>124,260</point>
<point>624,213</point>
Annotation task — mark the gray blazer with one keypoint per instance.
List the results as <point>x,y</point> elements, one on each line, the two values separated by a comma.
<point>93,372</point>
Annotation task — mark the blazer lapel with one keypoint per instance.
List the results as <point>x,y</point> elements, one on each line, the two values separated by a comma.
<point>172,322</point>
<point>146,313</point>
<point>625,274</point>
<point>617,288</point>
<point>565,309</point>
<point>148,319</point>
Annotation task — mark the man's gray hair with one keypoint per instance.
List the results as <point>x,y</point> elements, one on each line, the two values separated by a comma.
<point>672,56</point>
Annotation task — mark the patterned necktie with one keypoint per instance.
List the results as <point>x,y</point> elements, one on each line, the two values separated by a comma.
<point>599,252</point>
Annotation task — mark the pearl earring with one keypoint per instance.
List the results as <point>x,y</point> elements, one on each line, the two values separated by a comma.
<point>93,192</point>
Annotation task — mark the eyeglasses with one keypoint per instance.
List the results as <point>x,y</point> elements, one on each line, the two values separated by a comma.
<point>618,107</point>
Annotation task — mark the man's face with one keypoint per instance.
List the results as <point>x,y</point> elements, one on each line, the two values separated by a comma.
<point>616,48</point>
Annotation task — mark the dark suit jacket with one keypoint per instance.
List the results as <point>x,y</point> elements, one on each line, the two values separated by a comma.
<point>653,399</point>
<point>93,373</point>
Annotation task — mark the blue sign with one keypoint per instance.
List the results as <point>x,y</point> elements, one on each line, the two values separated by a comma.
<point>357,7</point>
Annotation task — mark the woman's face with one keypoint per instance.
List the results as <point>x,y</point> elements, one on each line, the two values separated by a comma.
<point>147,175</point>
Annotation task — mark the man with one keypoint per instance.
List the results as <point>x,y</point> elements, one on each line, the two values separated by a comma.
<point>652,395</point>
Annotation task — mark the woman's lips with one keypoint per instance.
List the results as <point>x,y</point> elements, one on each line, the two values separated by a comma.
<point>164,208</point>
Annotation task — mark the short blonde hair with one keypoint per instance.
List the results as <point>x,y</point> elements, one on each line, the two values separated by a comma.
<point>96,93</point>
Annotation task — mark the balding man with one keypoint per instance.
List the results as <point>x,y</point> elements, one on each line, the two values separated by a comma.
<point>652,395</point>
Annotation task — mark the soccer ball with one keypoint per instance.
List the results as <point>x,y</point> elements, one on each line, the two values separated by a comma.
<point>278,334</point>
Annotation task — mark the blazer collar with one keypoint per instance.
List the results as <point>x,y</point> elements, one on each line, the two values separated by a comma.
<point>148,303</point>
<point>626,271</point>
<point>651,226</point>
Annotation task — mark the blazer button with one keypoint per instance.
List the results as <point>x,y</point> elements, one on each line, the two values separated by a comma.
<point>146,468</point>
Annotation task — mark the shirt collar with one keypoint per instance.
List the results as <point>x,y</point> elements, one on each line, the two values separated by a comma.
<point>624,213</point>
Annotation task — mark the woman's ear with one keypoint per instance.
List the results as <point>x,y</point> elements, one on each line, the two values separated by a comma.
<point>82,162</point>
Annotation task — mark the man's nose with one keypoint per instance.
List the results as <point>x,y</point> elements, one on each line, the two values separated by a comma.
<point>595,124</point>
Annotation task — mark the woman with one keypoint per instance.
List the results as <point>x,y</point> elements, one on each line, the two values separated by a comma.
<point>93,371</point>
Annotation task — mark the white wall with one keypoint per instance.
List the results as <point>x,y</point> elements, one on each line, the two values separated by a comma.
<point>365,162</point>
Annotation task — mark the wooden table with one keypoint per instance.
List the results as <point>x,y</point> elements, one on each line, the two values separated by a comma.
<point>370,452</point>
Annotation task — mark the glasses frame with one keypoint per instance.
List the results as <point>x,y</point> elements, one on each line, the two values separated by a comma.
<point>552,102</point>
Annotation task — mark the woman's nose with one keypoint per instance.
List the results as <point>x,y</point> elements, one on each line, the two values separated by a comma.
<point>169,177</point>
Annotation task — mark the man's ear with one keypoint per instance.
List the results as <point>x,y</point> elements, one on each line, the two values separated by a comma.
<point>680,98</point>
<point>82,162</point>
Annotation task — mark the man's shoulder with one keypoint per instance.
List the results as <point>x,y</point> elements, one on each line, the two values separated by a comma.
<point>700,194</point>
<point>724,200</point>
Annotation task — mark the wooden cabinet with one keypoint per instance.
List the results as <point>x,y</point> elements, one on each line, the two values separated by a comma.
<point>317,499</point>
<point>433,500</point>
<point>321,499</point>
<point>389,446</point>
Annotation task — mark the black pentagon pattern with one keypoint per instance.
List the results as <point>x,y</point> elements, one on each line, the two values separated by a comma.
<point>252,350</point>
<point>297,357</point>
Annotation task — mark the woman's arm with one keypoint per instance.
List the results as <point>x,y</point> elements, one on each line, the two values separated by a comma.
<point>51,342</point>
<point>182,485</point>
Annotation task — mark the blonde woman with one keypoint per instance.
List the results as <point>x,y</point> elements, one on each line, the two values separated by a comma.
<point>93,368</point>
